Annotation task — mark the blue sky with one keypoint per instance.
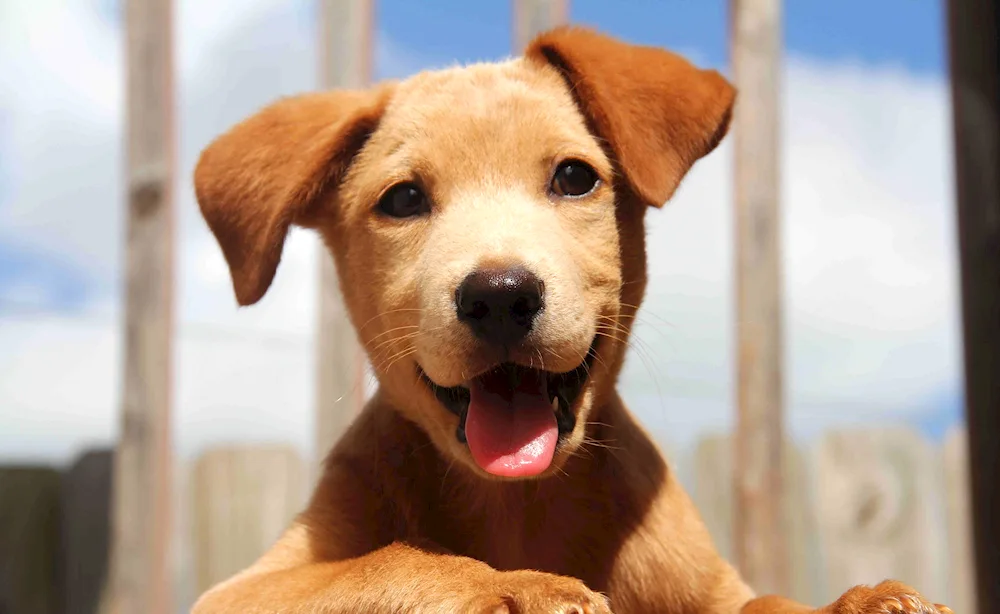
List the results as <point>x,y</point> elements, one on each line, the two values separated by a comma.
<point>870,294</point>
<point>902,33</point>
<point>908,33</point>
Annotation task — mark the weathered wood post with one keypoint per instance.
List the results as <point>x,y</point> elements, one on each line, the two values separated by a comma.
<point>140,579</point>
<point>758,538</point>
<point>875,489</point>
<point>242,498</point>
<point>974,29</point>
<point>345,62</point>
<point>532,17</point>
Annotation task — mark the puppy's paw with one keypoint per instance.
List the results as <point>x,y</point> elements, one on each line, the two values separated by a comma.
<point>533,592</point>
<point>889,597</point>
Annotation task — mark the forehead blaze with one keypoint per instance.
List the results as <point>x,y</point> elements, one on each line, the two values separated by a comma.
<point>506,123</point>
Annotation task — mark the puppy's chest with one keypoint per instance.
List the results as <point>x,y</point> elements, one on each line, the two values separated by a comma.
<point>522,535</point>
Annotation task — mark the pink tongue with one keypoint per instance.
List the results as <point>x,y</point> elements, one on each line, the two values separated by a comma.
<point>511,429</point>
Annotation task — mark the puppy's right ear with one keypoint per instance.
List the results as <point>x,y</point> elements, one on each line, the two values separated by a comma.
<point>278,168</point>
<point>658,112</point>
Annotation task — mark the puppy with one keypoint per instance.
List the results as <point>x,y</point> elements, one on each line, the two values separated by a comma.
<point>487,226</point>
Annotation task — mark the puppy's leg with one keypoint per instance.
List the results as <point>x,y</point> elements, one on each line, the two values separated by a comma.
<point>396,578</point>
<point>889,597</point>
<point>335,559</point>
<point>716,587</point>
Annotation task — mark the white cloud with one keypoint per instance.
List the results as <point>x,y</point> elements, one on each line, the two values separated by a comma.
<point>61,99</point>
<point>57,387</point>
<point>871,311</point>
<point>60,378</point>
<point>870,306</point>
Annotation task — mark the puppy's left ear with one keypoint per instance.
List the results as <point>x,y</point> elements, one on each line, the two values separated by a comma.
<point>280,167</point>
<point>657,111</point>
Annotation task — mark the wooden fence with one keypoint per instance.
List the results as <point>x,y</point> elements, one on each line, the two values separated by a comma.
<point>861,506</point>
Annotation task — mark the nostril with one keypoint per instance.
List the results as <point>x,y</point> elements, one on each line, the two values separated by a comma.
<point>520,306</point>
<point>526,305</point>
<point>469,302</point>
<point>479,310</point>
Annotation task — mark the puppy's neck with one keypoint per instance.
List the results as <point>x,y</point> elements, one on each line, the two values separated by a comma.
<point>392,441</point>
<point>609,482</point>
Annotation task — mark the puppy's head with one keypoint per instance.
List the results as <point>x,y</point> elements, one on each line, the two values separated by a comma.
<point>486,224</point>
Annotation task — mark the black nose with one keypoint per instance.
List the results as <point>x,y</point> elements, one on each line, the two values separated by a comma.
<point>500,305</point>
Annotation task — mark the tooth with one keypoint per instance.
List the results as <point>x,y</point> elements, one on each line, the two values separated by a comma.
<point>555,404</point>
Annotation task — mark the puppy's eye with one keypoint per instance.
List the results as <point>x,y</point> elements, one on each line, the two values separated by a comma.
<point>404,200</point>
<point>573,178</point>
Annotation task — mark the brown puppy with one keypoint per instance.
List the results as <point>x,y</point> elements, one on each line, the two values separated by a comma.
<point>487,227</point>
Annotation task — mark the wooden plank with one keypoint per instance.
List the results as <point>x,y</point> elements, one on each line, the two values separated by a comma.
<point>243,499</point>
<point>86,531</point>
<point>961,576</point>
<point>878,509</point>
<point>713,489</point>
<point>532,17</point>
<point>346,28</point>
<point>29,540</point>
<point>140,579</point>
<point>185,555</point>
<point>804,570</point>
<point>974,45</point>
<point>713,494</point>
<point>759,545</point>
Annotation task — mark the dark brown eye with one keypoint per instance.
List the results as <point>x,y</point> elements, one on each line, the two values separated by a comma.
<point>404,200</point>
<point>573,178</point>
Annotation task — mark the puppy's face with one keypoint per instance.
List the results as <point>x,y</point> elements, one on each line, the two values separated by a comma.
<point>479,243</point>
<point>486,226</point>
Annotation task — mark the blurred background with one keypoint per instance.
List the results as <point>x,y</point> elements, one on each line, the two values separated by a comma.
<point>872,345</point>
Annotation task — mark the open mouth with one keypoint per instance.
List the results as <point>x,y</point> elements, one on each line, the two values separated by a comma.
<point>512,417</point>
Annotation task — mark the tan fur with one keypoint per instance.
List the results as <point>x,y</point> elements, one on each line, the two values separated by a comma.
<point>402,519</point>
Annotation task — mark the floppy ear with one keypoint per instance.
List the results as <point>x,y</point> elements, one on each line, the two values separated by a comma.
<point>273,170</point>
<point>658,112</point>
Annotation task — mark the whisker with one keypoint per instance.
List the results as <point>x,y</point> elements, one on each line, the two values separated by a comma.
<point>444,478</point>
<point>392,330</point>
<point>387,313</point>
<point>392,340</point>
<point>383,364</point>
<point>639,344</point>
<point>634,342</point>
<point>608,320</point>
<point>645,355</point>
<point>624,333</point>
<point>583,448</point>
<point>553,352</point>
<point>648,313</point>
<point>601,443</point>
<point>382,357</point>
<point>599,358</point>
<point>404,354</point>
<point>390,345</point>
<point>374,352</point>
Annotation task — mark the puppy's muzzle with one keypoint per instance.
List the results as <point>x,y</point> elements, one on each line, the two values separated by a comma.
<point>500,305</point>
